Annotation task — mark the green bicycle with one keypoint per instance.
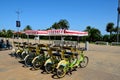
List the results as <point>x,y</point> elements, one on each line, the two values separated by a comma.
<point>70,62</point>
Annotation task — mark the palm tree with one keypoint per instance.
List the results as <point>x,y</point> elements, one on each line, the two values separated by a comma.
<point>110,27</point>
<point>28,27</point>
<point>48,28</point>
<point>55,26</point>
<point>63,24</point>
<point>106,38</point>
<point>3,32</point>
<point>88,28</point>
<point>9,33</point>
<point>94,34</point>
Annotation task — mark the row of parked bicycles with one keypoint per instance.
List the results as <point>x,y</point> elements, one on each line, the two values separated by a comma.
<point>60,60</point>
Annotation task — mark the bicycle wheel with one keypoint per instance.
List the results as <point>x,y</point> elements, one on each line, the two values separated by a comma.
<point>28,60</point>
<point>85,61</point>
<point>23,55</point>
<point>19,55</point>
<point>36,63</point>
<point>48,68</point>
<point>61,72</point>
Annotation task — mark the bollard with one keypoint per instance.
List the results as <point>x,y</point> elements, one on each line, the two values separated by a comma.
<point>87,45</point>
<point>107,43</point>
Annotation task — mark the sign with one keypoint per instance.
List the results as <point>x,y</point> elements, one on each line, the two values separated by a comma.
<point>18,24</point>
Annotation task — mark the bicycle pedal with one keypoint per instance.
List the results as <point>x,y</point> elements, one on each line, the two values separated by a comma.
<point>70,72</point>
<point>32,69</point>
<point>74,69</point>
<point>24,66</point>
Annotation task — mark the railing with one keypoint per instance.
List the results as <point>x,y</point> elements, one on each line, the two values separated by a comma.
<point>115,43</point>
<point>101,42</point>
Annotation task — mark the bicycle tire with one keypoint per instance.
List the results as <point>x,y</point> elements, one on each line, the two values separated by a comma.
<point>28,60</point>
<point>61,72</point>
<point>48,68</point>
<point>84,63</point>
<point>36,63</point>
<point>23,55</point>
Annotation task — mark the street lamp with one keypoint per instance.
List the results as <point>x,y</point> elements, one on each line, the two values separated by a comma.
<point>18,22</point>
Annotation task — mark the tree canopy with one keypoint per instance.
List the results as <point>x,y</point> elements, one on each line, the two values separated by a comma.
<point>94,34</point>
<point>62,24</point>
<point>110,27</point>
<point>28,27</point>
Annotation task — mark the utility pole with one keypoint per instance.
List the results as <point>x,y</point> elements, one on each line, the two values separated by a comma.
<point>18,22</point>
<point>118,17</point>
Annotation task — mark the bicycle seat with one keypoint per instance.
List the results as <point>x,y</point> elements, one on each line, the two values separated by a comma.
<point>22,46</point>
<point>66,55</point>
<point>32,47</point>
<point>43,49</point>
<point>56,54</point>
<point>69,48</point>
<point>69,53</point>
<point>24,43</point>
<point>41,45</point>
<point>76,54</point>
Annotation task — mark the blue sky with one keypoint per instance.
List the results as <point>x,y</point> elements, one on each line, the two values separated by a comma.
<point>41,14</point>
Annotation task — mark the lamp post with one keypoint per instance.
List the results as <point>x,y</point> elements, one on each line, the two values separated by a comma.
<point>118,9</point>
<point>18,22</point>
